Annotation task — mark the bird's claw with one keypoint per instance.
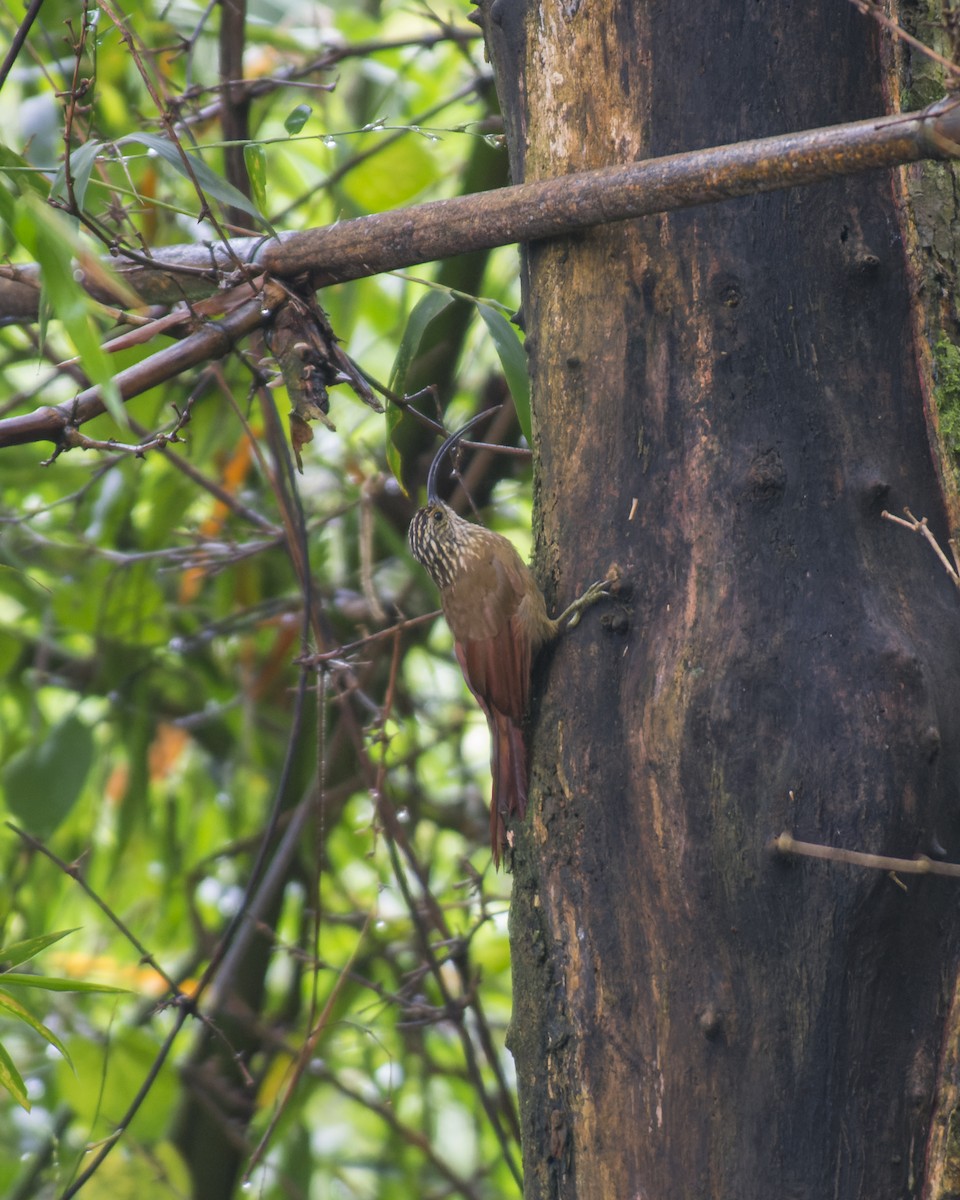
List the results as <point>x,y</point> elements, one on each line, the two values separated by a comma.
<point>596,591</point>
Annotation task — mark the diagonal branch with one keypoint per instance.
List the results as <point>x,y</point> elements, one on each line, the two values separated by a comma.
<point>545,208</point>
<point>213,339</point>
<point>526,212</point>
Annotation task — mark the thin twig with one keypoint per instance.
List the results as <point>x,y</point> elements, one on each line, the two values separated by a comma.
<point>73,439</point>
<point>313,660</point>
<point>133,1108</point>
<point>396,837</point>
<point>462,1187</point>
<point>212,340</point>
<point>16,45</point>
<point>294,76</point>
<point>921,865</point>
<point>869,9</point>
<point>73,872</point>
<point>129,38</point>
<point>921,527</point>
<point>380,145</point>
<point>307,1052</point>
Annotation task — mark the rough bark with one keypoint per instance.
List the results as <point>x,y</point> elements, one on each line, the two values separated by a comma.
<point>727,399</point>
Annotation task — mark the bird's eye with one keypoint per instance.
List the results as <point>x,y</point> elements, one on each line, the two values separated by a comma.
<point>437,514</point>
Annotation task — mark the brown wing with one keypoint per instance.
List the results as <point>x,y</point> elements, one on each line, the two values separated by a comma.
<point>494,651</point>
<point>493,645</point>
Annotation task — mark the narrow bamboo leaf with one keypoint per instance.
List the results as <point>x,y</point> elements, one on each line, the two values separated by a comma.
<point>427,307</point>
<point>49,983</point>
<point>47,235</point>
<point>65,232</point>
<point>43,781</point>
<point>513,359</point>
<point>21,173</point>
<point>7,203</point>
<point>101,1088</point>
<point>40,230</point>
<point>297,118</point>
<point>208,180</point>
<point>255,160</point>
<point>394,457</point>
<point>20,952</point>
<point>18,174</point>
<point>81,167</point>
<point>86,338</point>
<point>11,1079</point>
<point>44,315</point>
<point>16,1009</point>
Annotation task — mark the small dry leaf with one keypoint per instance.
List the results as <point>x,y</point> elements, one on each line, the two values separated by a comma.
<point>311,361</point>
<point>300,435</point>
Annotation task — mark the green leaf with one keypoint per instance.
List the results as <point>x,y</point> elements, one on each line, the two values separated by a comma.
<point>105,1079</point>
<point>427,307</point>
<point>423,312</point>
<point>43,781</point>
<point>394,416</point>
<point>7,202</point>
<point>21,952</point>
<point>50,983</point>
<point>394,174</point>
<point>120,606</point>
<point>81,167</point>
<point>16,1009</point>
<point>11,1079</point>
<point>151,1167</point>
<point>21,173</point>
<point>208,180</point>
<point>18,174</point>
<point>513,359</point>
<point>255,160</point>
<point>297,118</point>
<point>49,237</point>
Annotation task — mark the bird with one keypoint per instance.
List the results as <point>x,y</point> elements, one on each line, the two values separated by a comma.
<point>498,617</point>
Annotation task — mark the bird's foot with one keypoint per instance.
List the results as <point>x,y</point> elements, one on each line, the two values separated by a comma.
<point>572,613</point>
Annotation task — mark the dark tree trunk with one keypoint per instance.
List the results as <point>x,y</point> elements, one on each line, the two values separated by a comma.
<point>727,399</point>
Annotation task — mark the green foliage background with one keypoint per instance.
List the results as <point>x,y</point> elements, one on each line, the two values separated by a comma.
<point>155,708</point>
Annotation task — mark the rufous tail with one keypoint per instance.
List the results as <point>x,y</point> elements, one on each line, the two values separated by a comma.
<point>509,767</point>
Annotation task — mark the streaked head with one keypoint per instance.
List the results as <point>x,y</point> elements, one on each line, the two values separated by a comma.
<point>437,535</point>
<point>436,540</point>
